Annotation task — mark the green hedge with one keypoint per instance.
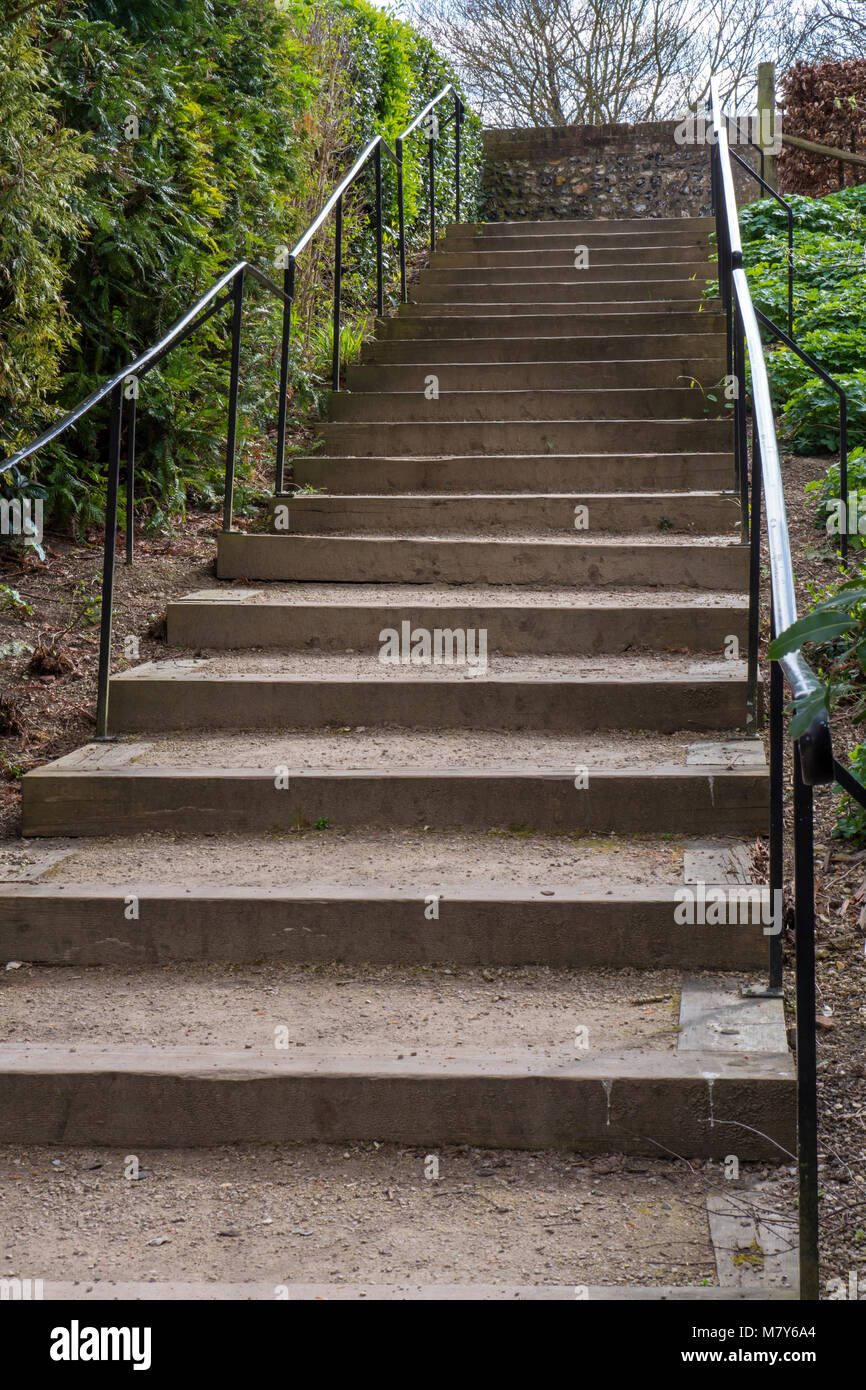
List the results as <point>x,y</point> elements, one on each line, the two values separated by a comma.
<point>145,145</point>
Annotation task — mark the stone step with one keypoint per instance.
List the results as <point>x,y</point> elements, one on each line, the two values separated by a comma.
<point>501,900</point>
<point>602,252</point>
<point>132,1097</point>
<point>636,374</point>
<point>520,622</point>
<point>683,315</point>
<point>707,342</point>
<point>697,513</point>
<point>511,473</point>
<point>637,230</point>
<point>390,437</point>
<point>577,926</point>
<point>561,289</point>
<point>636,225</point>
<point>260,784</point>
<point>483,690</point>
<point>624,404</point>
<point>525,267</point>
<point>688,244</point>
<point>665,561</point>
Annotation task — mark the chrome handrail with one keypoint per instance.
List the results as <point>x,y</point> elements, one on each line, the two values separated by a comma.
<point>816,744</point>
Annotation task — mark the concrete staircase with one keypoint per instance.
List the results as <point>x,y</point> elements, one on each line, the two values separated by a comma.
<point>528,449</point>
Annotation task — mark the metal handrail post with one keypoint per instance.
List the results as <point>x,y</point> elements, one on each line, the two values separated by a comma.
<point>807,1074</point>
<point>234,390</point>
<point>398,145</point>
<point>338,276</point>
<point>285,350</point>
<point>130,476</point>
<point>110,546</point>
<point>380,284</point>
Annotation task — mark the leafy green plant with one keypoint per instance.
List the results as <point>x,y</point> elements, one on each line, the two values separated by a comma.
<point>146,145</point>
<point>320,346</point>
<point>42,166</point>
<point>836,629</point>
<point>850,815</point>
<point>10,598</point>
<point>87,601</point>
<point>829,310</point>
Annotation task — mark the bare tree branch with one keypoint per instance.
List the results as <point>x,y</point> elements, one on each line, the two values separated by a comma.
<point>564,62</point>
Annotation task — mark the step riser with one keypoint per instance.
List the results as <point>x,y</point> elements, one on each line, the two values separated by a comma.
<point>499,269</point>
<point>603,347</point>
<point>667,261</point>
<point>625,802</point>
<point>555,290</point>
<point>639,227</point>
<point>351,560</point>
<point>653,403</point>
<point>686,244</point>
<point>538,376</point>
<point>700,706</point>
<point>525,437</point>
<point>260,925</point>
<point>513,320</point>
<point>157,1106</point>
<point>477,515</point>
<point>514,631</point>
<point>635,473</point>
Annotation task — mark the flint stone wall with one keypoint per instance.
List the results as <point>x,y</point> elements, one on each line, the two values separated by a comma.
<point>599,171</point>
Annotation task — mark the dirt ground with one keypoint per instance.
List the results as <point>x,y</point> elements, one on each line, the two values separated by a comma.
<point>48,688</point>
<point>364,1213</point>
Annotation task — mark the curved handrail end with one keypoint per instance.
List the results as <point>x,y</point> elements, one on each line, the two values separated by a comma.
<point>816,752</point>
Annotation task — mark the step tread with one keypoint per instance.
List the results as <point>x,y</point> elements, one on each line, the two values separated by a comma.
<point>636,1064</point>
<point>479,754</point>
<point>350,1014</point>
<point>433,498</point>
<point>304,668</point>
<point>695,456</point>
<point>297,595</point>
<point>633,542</point>
<point>492,866</point>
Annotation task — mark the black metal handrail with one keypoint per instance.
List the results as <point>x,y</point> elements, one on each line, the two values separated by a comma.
<point>432,131</point>
<point>203,310</point>
<point>334,204</point>
<point>372,151</point>
<point>229,290</point>
<point>813,751</point>
<point>735,120</point>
